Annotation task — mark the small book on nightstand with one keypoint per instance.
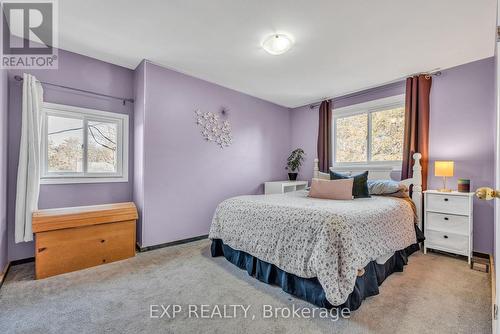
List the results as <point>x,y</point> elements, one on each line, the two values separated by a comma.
<point>448,222</point>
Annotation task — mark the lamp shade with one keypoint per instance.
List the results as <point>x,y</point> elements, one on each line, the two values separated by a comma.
<point>443,168</point>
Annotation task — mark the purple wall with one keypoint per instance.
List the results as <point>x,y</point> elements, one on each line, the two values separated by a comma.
<point>462,128</point>
<point>396,88</point>
<point>184,177</point>
<point>3,169</point>
<point>304,121</point>
<point>179,178</point>
<point>304,131</point>
<point>80,72</point>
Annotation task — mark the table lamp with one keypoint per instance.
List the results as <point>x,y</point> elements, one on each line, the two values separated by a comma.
<point>444,169</point>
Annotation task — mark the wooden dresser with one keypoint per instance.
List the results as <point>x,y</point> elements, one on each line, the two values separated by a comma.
<point>70,239</point>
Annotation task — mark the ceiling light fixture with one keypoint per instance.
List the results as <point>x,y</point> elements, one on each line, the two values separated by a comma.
<point>277,44</point>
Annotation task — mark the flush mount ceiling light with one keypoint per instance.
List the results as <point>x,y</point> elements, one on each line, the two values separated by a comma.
<point>277,44</point>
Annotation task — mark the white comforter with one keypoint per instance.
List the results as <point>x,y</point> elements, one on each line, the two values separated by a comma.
<point>310,237</point>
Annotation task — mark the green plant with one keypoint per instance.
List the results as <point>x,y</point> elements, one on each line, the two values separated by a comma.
<point>295,160</point>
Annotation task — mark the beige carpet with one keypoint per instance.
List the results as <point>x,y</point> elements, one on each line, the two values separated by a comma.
<point>435,294</point>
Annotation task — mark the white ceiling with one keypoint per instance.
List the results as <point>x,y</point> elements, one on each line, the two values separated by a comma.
<point>340,46</point>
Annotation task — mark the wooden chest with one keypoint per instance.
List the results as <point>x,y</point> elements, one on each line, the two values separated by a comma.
<point>70,239</point>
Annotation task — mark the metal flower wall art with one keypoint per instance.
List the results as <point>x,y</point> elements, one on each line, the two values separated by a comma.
<point>212,130</point>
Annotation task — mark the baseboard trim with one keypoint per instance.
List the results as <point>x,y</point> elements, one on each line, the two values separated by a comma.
<point>482,255</point>
<point>172,243</point>
<point>3,274</point>
<point>22,261</point>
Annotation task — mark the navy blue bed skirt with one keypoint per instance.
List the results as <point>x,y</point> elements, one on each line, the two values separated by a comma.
<point>309,289</point>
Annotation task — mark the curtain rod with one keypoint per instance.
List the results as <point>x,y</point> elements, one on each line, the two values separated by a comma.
<point>435,73</point>
<point>124,99</point>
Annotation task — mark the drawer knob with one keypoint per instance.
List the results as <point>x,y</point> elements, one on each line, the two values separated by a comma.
<point>446,218</point>
<point>445,236</point>
<point>102,240</point>
<point>446,200</point>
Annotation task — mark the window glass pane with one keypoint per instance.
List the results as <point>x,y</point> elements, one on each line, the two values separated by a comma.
<point>102,147</point>
<point>351,144</point>
<point>64,144</point>
<point>387,135</point>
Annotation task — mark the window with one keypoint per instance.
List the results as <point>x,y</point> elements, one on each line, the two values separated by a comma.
<point>83,145</point>
<point>369,133</point>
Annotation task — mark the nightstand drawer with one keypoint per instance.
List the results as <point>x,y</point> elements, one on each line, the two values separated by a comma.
<point>448,223</point>
<point>447,241</point>
<point>448,204</point>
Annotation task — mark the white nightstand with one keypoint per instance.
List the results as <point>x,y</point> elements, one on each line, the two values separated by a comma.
<point>448,222</point>
<point>280,187</point>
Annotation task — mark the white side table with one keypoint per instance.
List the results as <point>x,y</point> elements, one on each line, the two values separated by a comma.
<point>281,187</point>
<point>448,222</point>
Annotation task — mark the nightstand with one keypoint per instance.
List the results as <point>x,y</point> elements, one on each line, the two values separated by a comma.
<point>281,187</point>
<point>448,222</point>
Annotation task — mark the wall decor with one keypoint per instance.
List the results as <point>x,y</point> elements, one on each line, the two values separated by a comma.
<point>213,129</point>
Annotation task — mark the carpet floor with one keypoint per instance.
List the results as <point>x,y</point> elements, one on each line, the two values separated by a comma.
<point>435,294</point>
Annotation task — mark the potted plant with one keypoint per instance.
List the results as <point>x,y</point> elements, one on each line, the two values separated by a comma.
<point>294,162</point>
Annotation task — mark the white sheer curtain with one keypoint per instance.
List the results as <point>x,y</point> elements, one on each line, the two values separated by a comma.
<point>28,170</point>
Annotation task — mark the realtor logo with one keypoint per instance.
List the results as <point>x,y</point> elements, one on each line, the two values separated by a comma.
<point>29,34</point>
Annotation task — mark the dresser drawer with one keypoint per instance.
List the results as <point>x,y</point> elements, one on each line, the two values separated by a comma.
<point>448,223</point>
<point>448,204</point>
<point>445,241</point>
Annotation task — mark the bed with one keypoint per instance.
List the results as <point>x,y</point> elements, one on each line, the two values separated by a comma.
<point>329,253</point>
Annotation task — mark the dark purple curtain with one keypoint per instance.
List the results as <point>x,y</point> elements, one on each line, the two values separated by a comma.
<point>416,135</point>
<point>325,136</point>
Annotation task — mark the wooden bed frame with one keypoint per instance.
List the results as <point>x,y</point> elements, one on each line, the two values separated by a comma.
<point>384,173</point>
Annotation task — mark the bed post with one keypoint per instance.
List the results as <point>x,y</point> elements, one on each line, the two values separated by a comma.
<point>417,187</point>
<point>316,169</point>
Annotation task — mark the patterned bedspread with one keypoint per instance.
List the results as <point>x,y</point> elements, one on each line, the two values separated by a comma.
<point>310,237</point>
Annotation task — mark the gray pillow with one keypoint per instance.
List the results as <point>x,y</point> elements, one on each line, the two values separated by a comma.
<point>385,187</point>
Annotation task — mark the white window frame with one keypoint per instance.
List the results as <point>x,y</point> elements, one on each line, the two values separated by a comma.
<point>85,114</point>
<point>368,108</point>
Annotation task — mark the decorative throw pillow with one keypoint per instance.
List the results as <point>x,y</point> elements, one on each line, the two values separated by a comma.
<point>336,189</point>
<point>359,187</point>
<point>385,187</point>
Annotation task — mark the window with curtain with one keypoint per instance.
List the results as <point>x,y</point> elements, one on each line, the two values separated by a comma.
<point>369,133</point>
<point>83,145</point>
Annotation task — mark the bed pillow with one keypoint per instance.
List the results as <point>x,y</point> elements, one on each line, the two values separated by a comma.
<point>359,187</point>
<point>335,189</point>
<point>385,187</point>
